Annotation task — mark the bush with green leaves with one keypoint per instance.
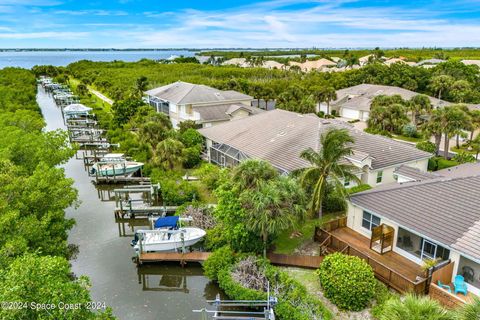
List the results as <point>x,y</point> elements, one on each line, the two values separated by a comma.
<point>191,157</point>
<point>463,157</point>
<point>348,281</point>
<point>174,190</point>
<point>222,258</point>
<point>427,146</point>
<point>414,307</point>
<point>191,138</point>
<point>409,130</point>
<point>212,175</point>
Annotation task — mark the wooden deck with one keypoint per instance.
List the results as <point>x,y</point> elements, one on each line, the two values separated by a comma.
<point>183,258</point>
<point>312,262</point>
<point>390,259</point>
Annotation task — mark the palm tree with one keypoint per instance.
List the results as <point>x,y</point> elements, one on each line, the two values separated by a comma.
<point>325,94</point>
<point>276,205</point>
<point>475,122</point>
<point>418,104</point>
<point>469,311</point>
<point>434,128</point>
<point>460,90</point>
<point>251,173</point>
<point>327,166</point>
<point>441,83</point>
<point>453,120</point>
<point>475,145</point>
<point>168,153</point>
<point>414,308</point>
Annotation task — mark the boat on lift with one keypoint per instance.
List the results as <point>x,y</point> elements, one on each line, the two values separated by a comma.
<point>115,164</point>
<point>167,236</point>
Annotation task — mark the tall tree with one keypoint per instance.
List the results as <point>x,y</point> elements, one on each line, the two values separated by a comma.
<point>475,122</point>
<point>453,120</point>
<point>418,104</point>
<point>327,167</point>
<point>325,94</point>
<point>250,174</point>
<point>274,206</point>
<point>440,84</point>
<point>433,127</point>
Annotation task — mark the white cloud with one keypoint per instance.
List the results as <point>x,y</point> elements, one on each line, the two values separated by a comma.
<point>91,12</point>
<point>45,35</point>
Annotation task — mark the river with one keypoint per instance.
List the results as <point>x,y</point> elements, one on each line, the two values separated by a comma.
<point>28,59</point>
<point>166,292</point>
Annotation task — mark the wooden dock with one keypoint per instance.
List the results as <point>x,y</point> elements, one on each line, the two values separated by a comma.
<point>120,212</point>
<point>183,258</point>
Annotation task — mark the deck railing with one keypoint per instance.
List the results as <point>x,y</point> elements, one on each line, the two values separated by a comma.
<point>330,243</point>
<point>295,260</point>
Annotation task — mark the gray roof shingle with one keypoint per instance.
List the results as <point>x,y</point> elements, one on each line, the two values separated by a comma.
<point>443,209</point>
<point>415,174</point>
<point>279,137</point>
<point>222,111</point>
<point>188,93</point>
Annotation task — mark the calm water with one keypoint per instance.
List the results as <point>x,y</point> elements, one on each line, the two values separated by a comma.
<point>150,292</point>
<point>28,59</point>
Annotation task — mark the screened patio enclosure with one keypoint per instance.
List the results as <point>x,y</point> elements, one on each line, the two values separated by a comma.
<point>225,155</point>
<point>159,104</point>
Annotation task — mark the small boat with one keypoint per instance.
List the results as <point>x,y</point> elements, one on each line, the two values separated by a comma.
<point>167,236</point>
<point>115,164</point>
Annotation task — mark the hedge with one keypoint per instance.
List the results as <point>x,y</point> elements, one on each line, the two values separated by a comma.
<point>347,281</point>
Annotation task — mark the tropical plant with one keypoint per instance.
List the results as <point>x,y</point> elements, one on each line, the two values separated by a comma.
<point>348,281</point>
<point>453,120</point>
<point>463,157</point>
<point>275,206</point>
<point>222,258</point>
<point>419,104</point>
<point>325,94</point>
<point>413,307</point>
<point>470,310</point>
<point>251,173</point>
<point>441,84</point>
<point>327,166</point>
<point>427,146</point>
<point>168,153</point>
<point>474,121</point>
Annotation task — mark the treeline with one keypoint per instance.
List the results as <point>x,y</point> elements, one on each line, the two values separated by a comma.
<point>34,192</point>
<point>293,90</point>
<point>411,54</point>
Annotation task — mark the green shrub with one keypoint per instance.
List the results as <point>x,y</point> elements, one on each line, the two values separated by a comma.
<point>334,203</point>
<point>235,290</point>
<point>210,174</point>
<point>427,146</point>
<point>174,190</point>
<point>413,307</point>
<point>347,281</point>
<point>433,164</point>
<point>463,157</point>
<point>382,295</point>
<point>191,157</point>
<point>191,138</point>
<point>222,258</point>
<point>359,188</point>
<point>409,130</point>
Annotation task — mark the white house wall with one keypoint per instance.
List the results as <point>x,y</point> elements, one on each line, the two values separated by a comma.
<point>388,173</point>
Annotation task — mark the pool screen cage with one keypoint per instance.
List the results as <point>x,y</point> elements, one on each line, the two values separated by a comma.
<point>225,155</point>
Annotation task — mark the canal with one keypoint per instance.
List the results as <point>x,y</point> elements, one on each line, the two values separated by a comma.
<point>166,292</point>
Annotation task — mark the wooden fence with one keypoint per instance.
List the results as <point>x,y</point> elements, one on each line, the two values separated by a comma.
<point>295,260</point>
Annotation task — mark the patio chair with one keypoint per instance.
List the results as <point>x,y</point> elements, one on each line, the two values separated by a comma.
<point>444,286</point>
<point>460,285</point>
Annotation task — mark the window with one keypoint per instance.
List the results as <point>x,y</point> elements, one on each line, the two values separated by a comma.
<point>379,176</point>
<point>370,221</point>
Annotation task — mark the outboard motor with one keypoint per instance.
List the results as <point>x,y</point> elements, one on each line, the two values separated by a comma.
<point>92,171</point>
<point>134,240</point>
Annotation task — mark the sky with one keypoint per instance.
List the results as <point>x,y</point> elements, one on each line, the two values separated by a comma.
<point>239,24</point>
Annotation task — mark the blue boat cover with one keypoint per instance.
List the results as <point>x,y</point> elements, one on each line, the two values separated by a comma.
<point>166,222</point>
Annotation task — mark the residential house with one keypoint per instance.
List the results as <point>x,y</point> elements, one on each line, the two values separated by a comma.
<point>205,105</point>
<point>471,62</point>
<point>271,64</point>
<point>240,62</point>
<point>310,65</point>
<point>279,136</point>
<point>429,63</point>
<point>432,218</point>
<point>354,102</point>
<point>366,59</point>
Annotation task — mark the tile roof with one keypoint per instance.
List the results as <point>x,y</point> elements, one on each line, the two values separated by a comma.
<point>415,174</point>
<point>279,136</point>
<point>222,112</point>
<point>445,210</point>
<point>463,170</point>
<point>187,93</point>
<point>360,97</point>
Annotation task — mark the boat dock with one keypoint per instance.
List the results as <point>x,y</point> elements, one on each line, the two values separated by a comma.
<point>183,258</point>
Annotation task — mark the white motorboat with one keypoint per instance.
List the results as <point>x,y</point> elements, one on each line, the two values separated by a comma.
<point>115,164</point>
<point>167,236</point>
<point>167,240</point>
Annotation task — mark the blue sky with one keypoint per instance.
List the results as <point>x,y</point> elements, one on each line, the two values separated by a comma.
<point>240,23</point>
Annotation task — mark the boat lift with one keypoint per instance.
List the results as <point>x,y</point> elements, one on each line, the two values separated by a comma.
<point>267,313</point>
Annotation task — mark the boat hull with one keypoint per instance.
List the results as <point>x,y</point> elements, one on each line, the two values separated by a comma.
<point>117,170</point>
<point>160,243</point>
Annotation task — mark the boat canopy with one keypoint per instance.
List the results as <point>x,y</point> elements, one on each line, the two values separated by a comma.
<point>76,108</point>
<point>167,222</point>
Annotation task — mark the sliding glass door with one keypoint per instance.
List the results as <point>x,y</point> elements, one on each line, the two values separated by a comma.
<point>429,250</point>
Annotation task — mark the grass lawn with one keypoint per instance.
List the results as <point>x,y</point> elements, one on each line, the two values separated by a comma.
<point>462,149</point>
<point>408,139</point>
<point>284,244</point>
